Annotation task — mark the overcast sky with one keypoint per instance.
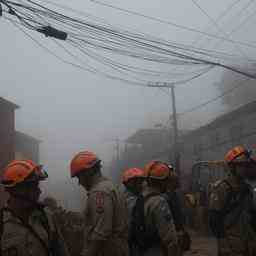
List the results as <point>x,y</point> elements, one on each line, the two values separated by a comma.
<point>70,110</point>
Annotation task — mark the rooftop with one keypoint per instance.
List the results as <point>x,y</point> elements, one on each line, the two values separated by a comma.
<point>7,102</point>
<point>225,118</point>
<point>142,135</point>
<point>23,136</point>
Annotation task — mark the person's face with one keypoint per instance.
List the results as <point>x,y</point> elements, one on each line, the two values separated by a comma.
<point>135,185</point>
<point>30,191</point>
<point>84,180</point>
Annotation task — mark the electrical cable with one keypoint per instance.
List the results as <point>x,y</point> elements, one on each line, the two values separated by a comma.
<point>172,24</point>
<point>220,17</point>
<point>91,37</point>
<point>204,104</point>
<point>217,26</point>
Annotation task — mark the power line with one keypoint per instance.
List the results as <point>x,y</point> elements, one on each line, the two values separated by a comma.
<point>216,25</point>
<point>252,15</point>
<point>71,63</point>
<point>228,91</point>
<point>82,13</point>
<point>193,109</point>
<point>89,38</point>
<point>220,17</point>
<point>173,24</point>
<point>142,33</point>
<point>202,105</point>
<point>240,25</point>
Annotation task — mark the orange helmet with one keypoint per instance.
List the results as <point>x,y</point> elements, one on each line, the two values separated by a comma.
<point>237,154</point>
<point>157,170</point>
<point>83,161</point>
<point>131,174</point>
<point>19,171</point>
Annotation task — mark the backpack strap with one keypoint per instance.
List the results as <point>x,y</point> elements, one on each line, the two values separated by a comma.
<point>176,210</point>
<point>138,236</point>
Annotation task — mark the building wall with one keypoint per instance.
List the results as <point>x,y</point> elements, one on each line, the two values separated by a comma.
<point>26,147</point>
<point>7,132</point>
<point>210,142</point>
<point>213,143</point>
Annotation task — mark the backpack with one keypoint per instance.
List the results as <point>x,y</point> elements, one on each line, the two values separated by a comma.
<point>175,208</point>
<point>140,238</point>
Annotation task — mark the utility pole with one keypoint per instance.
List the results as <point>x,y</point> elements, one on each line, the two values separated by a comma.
<point>175,132</point>
<point>117,149</point>
<point>176,154</point>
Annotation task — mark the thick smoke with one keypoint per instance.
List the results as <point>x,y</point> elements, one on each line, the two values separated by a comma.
<point>238,90</point>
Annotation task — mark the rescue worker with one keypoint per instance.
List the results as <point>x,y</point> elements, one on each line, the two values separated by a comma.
<point>175,205</point>
<point>161,236</point>
<point>106,229</point>
<point>232,214</point>
<point>132,180</point>
<point>26,228</point>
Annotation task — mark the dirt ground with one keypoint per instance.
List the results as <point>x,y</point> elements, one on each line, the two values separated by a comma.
<point>202,246</point>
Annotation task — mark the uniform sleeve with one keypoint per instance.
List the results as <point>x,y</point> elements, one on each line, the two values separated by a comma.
<point>101,205</point>
<point>164,223</point>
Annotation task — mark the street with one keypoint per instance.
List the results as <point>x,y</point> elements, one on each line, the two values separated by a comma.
<point>202,246</point>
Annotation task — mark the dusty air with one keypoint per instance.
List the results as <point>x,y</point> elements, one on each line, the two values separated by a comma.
<point>127,128</point>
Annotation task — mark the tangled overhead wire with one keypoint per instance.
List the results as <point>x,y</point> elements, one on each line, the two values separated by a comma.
<point>116,53</point>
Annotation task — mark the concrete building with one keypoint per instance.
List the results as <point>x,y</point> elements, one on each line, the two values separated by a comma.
<point>7,131</point>
<point>213,140</point>
<point>13,144</point>
<point>209,142</point>
<point>26,147</point>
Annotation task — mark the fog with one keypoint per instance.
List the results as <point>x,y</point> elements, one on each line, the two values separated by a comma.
<point>71,110</point>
